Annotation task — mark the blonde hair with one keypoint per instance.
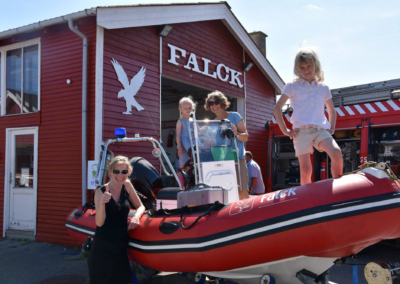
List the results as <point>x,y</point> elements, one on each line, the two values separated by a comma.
<point>118,160</point>
<point>308,55</point>
<point>217,95</point>
<point>188,99</point>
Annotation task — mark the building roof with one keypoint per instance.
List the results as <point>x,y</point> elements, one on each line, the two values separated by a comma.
<point>116,17</point>
<point>45,23</point>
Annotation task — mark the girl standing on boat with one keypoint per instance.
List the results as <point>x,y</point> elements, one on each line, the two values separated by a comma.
<point>308,96</point>
<point>186,106</point>
<point>217,103</point>
<point>108,259</point>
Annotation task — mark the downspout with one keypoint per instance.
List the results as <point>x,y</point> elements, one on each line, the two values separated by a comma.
<point>84,107</point>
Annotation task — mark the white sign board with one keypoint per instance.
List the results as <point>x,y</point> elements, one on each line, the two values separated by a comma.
<point>91,174</point>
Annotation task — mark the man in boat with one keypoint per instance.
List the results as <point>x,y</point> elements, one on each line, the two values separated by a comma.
<point>256,183</point>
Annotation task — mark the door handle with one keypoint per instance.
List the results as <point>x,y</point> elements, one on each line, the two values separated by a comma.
<point>10,181</point>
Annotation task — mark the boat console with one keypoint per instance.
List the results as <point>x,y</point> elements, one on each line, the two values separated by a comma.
<point>214,158</point>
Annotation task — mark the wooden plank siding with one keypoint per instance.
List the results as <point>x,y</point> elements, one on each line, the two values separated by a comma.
<point>260,101</point>
<point>208,39</point>
<point>132,48</point>
<point>59,169</point>
<point>59,187</point>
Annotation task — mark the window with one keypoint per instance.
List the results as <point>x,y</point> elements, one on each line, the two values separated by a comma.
<point>20,73</point>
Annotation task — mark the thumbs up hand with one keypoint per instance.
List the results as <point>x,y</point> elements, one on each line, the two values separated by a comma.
<point>106,196</point>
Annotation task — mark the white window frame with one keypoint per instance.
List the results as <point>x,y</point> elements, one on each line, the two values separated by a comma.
<point>3,52</point>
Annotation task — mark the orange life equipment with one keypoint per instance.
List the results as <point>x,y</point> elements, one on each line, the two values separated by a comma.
<point>357,133</point>
<point>341,134</point>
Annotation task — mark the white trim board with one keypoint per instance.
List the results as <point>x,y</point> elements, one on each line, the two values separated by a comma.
<point>125,17</point>
<point>98,120</point>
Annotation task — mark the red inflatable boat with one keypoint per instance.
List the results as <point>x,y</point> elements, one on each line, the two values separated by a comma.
<point>278,233</point>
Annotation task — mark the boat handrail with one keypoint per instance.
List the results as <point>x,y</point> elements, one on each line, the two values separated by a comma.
<point>100,173</point>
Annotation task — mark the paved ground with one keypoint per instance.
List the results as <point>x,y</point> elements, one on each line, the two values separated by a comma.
<point>23,261</point>
<point>29,262</point>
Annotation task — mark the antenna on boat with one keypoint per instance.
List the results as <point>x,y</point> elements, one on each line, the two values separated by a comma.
<point>157,133</point>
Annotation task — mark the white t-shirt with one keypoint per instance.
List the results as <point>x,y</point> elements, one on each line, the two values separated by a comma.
<point>308,102</point>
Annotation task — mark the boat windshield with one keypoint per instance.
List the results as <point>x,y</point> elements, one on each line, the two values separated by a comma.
<point>215,141</point>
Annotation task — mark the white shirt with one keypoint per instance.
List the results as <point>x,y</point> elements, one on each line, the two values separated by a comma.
<point>308,102</point>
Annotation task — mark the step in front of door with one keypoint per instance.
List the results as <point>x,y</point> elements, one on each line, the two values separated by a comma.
<point>18,234</point>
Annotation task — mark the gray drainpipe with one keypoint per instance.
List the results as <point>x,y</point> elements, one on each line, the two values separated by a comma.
<point>84,110</point>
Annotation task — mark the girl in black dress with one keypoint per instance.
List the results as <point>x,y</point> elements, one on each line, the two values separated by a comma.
<point>108,259</point>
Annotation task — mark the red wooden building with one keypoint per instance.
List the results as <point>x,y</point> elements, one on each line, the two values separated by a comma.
<point>52,123</point>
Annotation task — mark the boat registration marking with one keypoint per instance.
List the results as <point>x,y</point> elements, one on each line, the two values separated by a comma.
<point>276,203</point>
<point>247,205</point>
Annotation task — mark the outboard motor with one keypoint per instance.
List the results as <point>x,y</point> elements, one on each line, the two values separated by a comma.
<point>146,180</point>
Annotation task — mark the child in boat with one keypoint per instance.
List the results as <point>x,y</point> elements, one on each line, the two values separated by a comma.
<point>186,106</point>
<point>308,97</point>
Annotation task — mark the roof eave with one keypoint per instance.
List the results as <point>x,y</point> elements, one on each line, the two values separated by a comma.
<point>42,24</point>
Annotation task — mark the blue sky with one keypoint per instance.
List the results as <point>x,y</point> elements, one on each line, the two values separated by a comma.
<point>358,41</point>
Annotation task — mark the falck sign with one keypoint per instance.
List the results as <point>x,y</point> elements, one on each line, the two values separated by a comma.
<point>222,72</point>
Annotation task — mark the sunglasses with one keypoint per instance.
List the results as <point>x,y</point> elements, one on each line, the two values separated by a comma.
<point>216,102</point>
<point>124,172</point>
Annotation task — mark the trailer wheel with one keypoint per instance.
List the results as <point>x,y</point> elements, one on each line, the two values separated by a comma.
<point>267,279</point>
<point>200,278</point>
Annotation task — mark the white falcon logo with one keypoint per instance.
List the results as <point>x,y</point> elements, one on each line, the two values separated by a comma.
<point>130,89</point>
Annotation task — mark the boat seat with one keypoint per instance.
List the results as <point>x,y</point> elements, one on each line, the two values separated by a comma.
<point>168,193</point>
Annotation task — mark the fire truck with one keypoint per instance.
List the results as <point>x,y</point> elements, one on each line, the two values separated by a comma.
<point>367,129</point>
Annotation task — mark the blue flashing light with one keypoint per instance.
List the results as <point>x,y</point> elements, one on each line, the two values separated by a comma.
<point>120,132</point>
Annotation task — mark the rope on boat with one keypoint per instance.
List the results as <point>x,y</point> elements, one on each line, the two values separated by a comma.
<point>215,206</point>
<point>162,211</point>
<point>382,166</point>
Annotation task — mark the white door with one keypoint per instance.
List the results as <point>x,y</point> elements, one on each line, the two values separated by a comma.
<point>21,178</point>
